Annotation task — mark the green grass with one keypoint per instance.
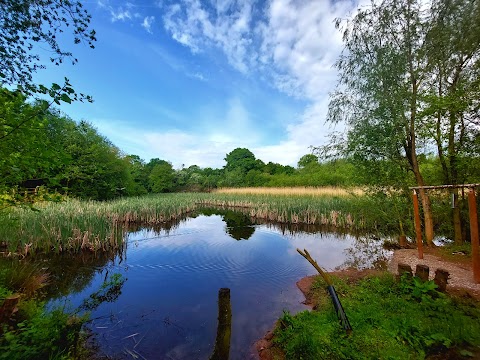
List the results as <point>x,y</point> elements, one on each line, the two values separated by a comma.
<point>32,331</point>
<point>75,225</point>
<point>38,331</point>
<point>390,320</point>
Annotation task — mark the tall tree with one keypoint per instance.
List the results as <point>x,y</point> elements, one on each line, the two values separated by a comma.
<point>241,159</point>
<point>381,72</point>
<point>162,176</point>
<point>307,159</point>
<point>95,169</point>
<point>452,101</point>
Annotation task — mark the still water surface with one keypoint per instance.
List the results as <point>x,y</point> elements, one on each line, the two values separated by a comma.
<point>167,308</point>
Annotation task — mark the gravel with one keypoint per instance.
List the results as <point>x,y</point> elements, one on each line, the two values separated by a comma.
<point>461,275</point>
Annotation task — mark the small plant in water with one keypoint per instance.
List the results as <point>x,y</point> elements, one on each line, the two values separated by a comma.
<point>109,291</point>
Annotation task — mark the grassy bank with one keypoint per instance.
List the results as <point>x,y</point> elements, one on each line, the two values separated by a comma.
<point>391,319</point>
<point>74,225</point>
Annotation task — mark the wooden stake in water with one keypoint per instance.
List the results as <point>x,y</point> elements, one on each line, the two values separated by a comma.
<point>418,225</point>
<point>224,328</point>
<point>472,209</point>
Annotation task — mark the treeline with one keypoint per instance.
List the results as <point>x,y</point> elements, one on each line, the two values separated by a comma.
<point>39,146</point>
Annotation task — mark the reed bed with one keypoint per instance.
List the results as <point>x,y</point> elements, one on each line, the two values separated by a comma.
<point>296,191</point>
<point>76,225</point>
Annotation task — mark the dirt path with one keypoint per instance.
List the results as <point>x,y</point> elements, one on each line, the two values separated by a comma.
<point>459,266</point>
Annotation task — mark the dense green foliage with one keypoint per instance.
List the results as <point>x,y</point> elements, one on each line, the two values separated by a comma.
<point>390,320</point>
<point>55,151</point>
<point>410,94</point>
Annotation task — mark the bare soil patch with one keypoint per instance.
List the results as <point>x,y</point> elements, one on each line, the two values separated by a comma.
<point>459,266</point>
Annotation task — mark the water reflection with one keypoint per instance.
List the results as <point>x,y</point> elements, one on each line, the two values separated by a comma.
<point>238,225</point>
<point>224,327</point>
<point>168,307</point>
<point>67,273</point>
<point>366,252</point>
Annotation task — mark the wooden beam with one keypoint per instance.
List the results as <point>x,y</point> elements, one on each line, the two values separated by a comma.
<point>432,187</point>
<point>472,210</point>
<point>418,225</point>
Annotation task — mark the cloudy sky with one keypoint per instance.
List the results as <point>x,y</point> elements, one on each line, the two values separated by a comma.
<point>188,81</point>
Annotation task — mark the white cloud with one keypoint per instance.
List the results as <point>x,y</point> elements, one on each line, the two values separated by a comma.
<point>301,44</point>
<point>294,44</point>
<point>289,44</point>
<point>147,23</point>
<point>227,28</point>
<point>181,147</point>
<point>197,75</point>
<point>119,13</point>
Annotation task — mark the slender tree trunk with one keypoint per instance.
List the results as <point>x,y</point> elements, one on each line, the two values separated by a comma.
<point>457,220</point>
<point>412,156</point>
<point>427,211</point>
<point>411,128</point>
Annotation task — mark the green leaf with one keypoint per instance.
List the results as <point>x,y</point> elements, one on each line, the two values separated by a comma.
<point>55,87</point>
<point>466,353</point>
<point>64,97</point>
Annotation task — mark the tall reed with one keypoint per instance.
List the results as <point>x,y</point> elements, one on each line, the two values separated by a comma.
<point>76,225</point>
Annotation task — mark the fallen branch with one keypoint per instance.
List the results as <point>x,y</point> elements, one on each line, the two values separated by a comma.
<point>331,290</point>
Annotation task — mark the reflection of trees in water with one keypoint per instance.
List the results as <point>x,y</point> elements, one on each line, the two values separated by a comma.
<point>366,252</point>
<point>71,273</point>
<point>67,273</point>
<point>238,224</point>
<point>240,217</point>
<point>294,230</point>
<point>158,229</point>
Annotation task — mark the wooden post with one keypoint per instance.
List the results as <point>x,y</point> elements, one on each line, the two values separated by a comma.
<point>9,307</point>
<point>472,209</point>
<point>422,272</point>
<point>404,269</point>
<point>441,279</point>
<point>224,328</point>
<point>418,225</point>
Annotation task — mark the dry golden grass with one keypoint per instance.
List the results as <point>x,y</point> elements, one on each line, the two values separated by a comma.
<point>289,191</point>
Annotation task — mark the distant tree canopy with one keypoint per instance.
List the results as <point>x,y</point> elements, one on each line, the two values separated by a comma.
<point>242,160</point>
<point>307,159</point>
<point>67,156</point>
<point>161,178</point>
<point>73,158</point>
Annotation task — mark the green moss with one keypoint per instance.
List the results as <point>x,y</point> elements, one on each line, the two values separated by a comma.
<point>390,320</point>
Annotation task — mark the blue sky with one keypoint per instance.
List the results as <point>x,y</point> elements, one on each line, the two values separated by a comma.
<point>188,81</point>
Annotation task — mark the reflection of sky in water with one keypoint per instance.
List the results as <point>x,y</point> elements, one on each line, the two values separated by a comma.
<point>168,305</point>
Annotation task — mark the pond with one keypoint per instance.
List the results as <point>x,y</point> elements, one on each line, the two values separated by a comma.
<point>167,306</point>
